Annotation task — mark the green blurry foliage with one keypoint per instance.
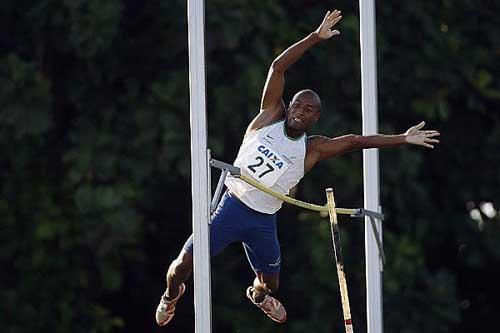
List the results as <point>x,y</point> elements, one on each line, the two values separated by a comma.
<point>24,97</point>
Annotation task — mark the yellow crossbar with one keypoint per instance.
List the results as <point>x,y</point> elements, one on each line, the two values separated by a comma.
<point>292,201</point>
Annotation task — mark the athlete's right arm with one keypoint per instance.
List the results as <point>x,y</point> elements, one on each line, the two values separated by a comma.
<point>272,107</point>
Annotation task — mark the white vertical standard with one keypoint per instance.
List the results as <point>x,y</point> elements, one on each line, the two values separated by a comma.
<point>370,163</point>
<point>199,166</point>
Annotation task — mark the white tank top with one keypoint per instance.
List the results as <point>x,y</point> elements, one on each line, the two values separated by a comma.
<point>275,160</point>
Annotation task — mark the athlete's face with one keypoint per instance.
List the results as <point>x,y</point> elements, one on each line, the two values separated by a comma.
<point>303,111</point>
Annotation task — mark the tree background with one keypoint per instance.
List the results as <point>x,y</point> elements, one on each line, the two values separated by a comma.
<point>95,170</point>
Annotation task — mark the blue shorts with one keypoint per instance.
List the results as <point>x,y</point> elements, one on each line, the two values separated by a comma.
<point>233,221</point>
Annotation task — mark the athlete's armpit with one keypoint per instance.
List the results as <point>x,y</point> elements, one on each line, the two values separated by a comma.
<point>321,147</point>
<point>338,146</point>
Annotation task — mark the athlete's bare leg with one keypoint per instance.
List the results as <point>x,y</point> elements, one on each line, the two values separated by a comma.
<point>179,271</point>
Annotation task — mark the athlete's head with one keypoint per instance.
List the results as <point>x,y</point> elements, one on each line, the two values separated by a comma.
<point>304,110</point>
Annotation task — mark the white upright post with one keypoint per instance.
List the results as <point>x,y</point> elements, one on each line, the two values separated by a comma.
<point>199,166</point>
<point>370,164</point>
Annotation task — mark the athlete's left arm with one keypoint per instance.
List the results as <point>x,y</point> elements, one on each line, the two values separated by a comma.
<point>321,147</point>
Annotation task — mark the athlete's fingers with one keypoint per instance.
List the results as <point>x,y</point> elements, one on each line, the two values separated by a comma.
<point>427,145</point>
<point>326,16</point>
<point>432,134</point>
<point>334,14</point>
<point>335,32</point>
<point>431,140</point>
<point>336,20</point>
<point>419,126</point>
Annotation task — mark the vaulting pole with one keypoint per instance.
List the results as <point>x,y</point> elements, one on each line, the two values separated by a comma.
<point>370,164</point>
<point>199,166</point>
<point>344,295</point>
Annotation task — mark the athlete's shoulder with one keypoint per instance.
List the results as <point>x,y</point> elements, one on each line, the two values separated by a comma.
<point>268,117</point>
<point>250,131</point>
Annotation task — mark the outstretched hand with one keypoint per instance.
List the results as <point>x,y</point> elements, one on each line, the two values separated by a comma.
<point>325,31</point>
<point>415,136</point>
